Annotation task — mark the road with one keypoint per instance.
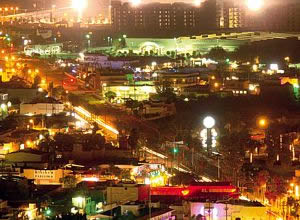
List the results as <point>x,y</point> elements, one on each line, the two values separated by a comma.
<point>58,77</point>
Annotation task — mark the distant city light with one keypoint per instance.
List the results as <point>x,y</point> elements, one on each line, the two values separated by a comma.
<point>135,2</point>
<point>255,5</point>
<point>79,5</point>
<point>90,179</point>
<point>274,66</point>
<point>147,181</point>
<point>3,106</point>
<point>198,2</point>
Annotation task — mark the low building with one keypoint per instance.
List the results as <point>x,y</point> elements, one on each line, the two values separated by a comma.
<point>46,177</point>
<point>156,110</point>
<point>104,62</point>
<point>141,211</point>
<point>84,204</point>
<point>28,158</point>
<point>48,106</point>
<point>20,94</point>
<point>179,79</point>
<point>121,194</point>
<point>234,209</point>
<point>137,92</point>
<point>241,87</point>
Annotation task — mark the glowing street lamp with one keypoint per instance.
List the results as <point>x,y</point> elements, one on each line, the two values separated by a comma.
<point>263,122</point>
<point>255,5</point>
<point>136,3</point>
<point>209,122</point>
<point>79,5</point>
<point>197,3</point>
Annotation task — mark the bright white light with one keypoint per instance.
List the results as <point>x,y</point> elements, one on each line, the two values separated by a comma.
<point>78,124</point>
<point>209,122</point>
<point>9,104</point>
<point>135,3</point>
<point>147,181</point>
<point>81,55</point>
<point>154,75</point>
<point>197,3</point>
<point>274,66</point>
<point>79,5</point>
<point>3,106</point>
<point>255,5</point>
<point>90,179</point>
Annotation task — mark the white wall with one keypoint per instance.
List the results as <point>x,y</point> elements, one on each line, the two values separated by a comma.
<point>234,211</point>
<point>41,108</point>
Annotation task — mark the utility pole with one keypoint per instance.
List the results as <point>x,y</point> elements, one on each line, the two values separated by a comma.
<point>209,210</point>
<point>150,201</point>
<point>226,210</point>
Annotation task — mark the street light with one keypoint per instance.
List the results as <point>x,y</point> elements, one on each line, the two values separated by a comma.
<point>135,3</point>
<point>88,37</point>
<point>209,122</point>
<point>79,5</point>
<point>197,3</point>
<point>3,108</point>
<point>255,5</point>
<point>262,122</point>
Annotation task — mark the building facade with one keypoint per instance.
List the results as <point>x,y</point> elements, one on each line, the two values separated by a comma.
<point>180,18</point>
<point>277,16</point>
<point>160,19</point>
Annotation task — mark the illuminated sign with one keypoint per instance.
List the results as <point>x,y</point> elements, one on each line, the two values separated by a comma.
<point>50,49</point>
<point>44,174</point>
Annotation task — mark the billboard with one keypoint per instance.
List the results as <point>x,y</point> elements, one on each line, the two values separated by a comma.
<point>48,49</point>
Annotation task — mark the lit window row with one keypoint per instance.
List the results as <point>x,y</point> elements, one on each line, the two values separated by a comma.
<point>242,92</point>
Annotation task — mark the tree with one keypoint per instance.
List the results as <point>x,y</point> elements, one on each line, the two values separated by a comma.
<point>164,90</point>
<point>110,95</point>
<point>133,139</point>
<point>58,92</point>
<point>36,81</point>
<point>93,142</point>
<point>218,54</point>
<point>232,148</point>
<point>68,181</point>
<point>64,142</point>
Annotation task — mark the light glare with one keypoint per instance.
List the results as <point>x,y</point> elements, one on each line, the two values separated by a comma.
<point>255,5</point>
<point>197,3</point>
<point>209,122</point>
<point>79,4</point>
<point>135,2</point>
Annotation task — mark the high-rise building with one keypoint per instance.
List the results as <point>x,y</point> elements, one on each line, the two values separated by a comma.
<point>275,15</point>
<point>162,18</point>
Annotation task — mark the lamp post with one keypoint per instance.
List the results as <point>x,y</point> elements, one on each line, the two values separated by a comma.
<point>209,122</point>
<point>88,40</point>
<point>3,108</point>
